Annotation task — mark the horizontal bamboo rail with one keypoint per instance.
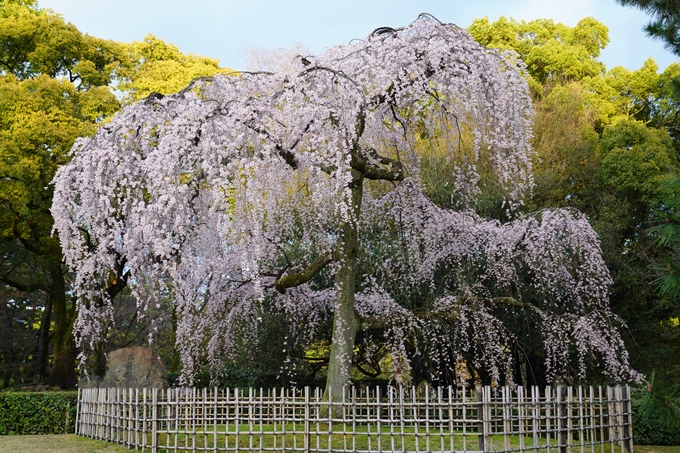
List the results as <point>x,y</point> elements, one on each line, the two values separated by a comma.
<point>553,419</point>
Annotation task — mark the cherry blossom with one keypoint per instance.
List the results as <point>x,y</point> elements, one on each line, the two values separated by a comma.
<point>305,191</point>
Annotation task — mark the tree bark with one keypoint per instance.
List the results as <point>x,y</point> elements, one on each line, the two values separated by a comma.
<point>345,321</point>
<point>45,339</point>
<point>64,364</point>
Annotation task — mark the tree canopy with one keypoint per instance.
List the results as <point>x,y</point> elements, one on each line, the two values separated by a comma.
<point>154,66</point>
<point>554,53</point>
<point>305,191</point>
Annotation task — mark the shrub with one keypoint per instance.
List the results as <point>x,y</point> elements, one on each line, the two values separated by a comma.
<point>230,376</point>
<point>647,431</point>
<point>37,412</point>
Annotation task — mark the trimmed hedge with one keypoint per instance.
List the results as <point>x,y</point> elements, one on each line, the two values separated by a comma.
<point>647,431</point>
<point>37,412</point>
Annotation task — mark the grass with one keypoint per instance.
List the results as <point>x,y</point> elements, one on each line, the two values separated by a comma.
<point>70,443</point>
<point>56,443</point>
<point>653,449</point>
<point>347,438</point>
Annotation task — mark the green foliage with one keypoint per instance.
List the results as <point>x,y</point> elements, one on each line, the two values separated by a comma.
<point>39,120</point>
<point>643,94</point>
<point>668,283</point>
<point>636,159</point>
<point>553,53</point>
<point>35,41</point>
<point>667,237</point>
<point>656,413</point>
<point>230,376</point>
<point>37,412</point>
<point>154,66</point>
<point>565,143</point>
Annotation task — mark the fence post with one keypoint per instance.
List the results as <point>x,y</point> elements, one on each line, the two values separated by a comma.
<point>480,415</point>
<point>628,419</point>
<point>483,395</point>
<point>611,420</point>
<point>535,411</point>
<point>307,417</point>
<point>570,422</point>
<point>561,418</point>
<point>507,416</point>
<point>154,417</point>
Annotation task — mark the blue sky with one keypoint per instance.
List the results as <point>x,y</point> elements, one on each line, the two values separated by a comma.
<point>224,28</point>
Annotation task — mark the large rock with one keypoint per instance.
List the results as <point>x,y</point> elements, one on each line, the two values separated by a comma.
<point>134,367</point>
<point>89,382</point>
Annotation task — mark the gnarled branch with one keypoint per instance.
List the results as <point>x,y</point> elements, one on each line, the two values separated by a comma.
<point>298,278</point>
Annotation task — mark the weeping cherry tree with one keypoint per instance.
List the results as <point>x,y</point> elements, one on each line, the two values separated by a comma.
<point>306,191</point>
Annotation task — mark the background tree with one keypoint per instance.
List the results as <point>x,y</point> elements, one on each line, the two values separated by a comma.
<point>665,24</point>
<point>52,90</point>
<point>154,66</point>
<point>282,60</point>
<point>553,53</point>
<point>54,87</point>
<point>305,192</point>
<point>19,335</point>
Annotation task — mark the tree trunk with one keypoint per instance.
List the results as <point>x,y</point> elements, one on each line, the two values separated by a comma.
<point>64,365</point>
<point>345,320</point>
<point>100,359</point>
<point>45,339</point>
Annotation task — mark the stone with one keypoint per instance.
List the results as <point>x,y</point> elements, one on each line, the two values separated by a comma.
<point>134,367</point>
<point>89,382</point>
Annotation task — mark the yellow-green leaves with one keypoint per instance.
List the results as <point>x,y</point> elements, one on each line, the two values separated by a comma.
<point>34,41</point>
<point>156,66</point>
<point>643,94</point>
<point>636,159</point>
<point>552,52</point>
<point>39,120</point>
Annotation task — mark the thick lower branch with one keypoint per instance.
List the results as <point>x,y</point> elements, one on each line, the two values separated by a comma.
<point>393,172</point>
<point>381,324</point>
<point>22,286</point>
<point>298,278</point>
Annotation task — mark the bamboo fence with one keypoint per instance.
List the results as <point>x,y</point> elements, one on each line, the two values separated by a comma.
<point>502,419</point>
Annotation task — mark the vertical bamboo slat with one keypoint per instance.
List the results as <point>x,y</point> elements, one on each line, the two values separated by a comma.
<point>507,417</point>
<point>570,420</point>
<point>535,413</point>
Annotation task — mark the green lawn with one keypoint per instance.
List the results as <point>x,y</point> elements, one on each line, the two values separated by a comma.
<point>69,443</point>
<point>56,443</point>
<point>387,439</point>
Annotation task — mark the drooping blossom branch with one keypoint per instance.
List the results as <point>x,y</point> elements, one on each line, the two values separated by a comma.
<point>304,191</point>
